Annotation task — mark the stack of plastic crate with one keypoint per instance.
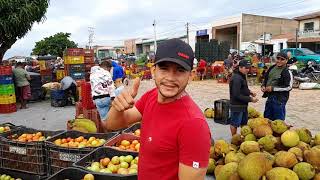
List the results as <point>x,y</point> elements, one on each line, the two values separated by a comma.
<point>7,91</point>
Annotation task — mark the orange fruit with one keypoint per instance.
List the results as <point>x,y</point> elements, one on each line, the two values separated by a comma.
<point>135,142</point>
<point>64,141</point>
<point>122,147</point>
<point>137,132</point>
<point>125,143</point>
<point>137,147</point>
<point>29,137</point>
<point>39,134</point>
<point>104,162</point>
<point>24,135</point>
<point>35,138</point>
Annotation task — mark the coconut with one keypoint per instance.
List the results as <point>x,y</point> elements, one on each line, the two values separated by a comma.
<point>304,135</point>
<point>234,157</point>
<point>262,131</point>
<point>298,152</point>
<point>304,170</point>
<point>217,170</point>
<point>290,138</point>
<point>285,159</point>
<point>221,147</point>
<point>281,173</point>
<point>268,142</point>
<point>253,123</point>
<point>254,166</point>
<point>248,147</point>
<point>227,170</point>
<point>245,130</point>
<point>211,166</point>
<point>317,139</point>
<point>236,139</point>
<point>250,137</point>
<point>312,156</point>
<point>278,126</point>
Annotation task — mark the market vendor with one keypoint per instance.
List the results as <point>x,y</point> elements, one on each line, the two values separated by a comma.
<point>21,79</point>
<point>102,87</point>
<point>69,86</point>
<point>175,137</point>
<point>202,68</point>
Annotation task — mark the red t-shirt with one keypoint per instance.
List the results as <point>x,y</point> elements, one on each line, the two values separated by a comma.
<point>171,133</point>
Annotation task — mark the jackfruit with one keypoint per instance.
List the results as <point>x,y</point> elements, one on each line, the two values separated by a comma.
<point>281,173</point>
<point>290,138</point>
<point>304,170</point>
<point>278,126</point>
<point>285,159</point>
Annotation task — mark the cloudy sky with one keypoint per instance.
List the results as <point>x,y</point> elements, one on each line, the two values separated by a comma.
<point>116,20</point>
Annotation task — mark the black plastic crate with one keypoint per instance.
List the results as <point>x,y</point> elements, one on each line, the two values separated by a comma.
<point>73,173</point>
<point>29,157</point>
<point>222,111</point>
<point>132,128</point>
<point>101,153</point>
<point>76,68</point>
<point>21,175</point>
<point>12,128</point>
<point>62,157</point>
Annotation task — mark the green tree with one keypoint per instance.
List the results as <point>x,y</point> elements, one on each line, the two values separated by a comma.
<point>54,45</point>
<point>17,18</point>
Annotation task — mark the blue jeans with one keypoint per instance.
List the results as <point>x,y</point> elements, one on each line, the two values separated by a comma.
<point>275,109</point>
<point>103,106</point>
<point>239,118</point>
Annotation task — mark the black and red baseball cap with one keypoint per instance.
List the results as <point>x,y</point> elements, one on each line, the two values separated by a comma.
<point>176,51</point>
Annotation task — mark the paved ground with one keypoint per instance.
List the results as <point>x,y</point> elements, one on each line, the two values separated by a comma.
<point>302,109</point>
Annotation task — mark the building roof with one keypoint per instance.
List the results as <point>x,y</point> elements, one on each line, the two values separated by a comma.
<point>310,39</point>
<point>308,16</point>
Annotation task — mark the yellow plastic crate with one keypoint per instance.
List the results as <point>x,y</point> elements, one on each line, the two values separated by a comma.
<point>7,99</point>
<point>42,65</point>
<point>60,74</point>
<point>74,60</point>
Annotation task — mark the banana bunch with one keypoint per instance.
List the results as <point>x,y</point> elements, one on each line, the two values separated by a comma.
<point>83,125</point>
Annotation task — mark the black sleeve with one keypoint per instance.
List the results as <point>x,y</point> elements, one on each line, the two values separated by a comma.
<point>235,92</point>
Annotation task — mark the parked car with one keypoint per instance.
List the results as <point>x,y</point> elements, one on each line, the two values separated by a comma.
<point>303,55</point>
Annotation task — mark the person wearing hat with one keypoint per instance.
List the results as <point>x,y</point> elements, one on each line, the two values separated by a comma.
<point>240,96</point>
<point>175,137</point>
<point>276,87</point>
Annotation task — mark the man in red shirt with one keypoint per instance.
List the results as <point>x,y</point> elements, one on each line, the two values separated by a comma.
<point>175,137</point>
<point>202,68</point>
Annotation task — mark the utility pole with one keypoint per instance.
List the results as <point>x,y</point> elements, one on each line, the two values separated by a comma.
<point>155,36</point>
<point>91,34</point>
<point>297,38</point>
<point>187,33</point>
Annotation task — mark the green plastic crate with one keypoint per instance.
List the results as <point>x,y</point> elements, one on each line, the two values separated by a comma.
<point>7,89</point>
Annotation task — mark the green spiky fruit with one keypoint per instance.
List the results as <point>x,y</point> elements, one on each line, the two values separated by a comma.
<point>278,126</point>
<point>304,135</point>
<point>248,147</point>
<point>305,171</point>
<point>250,137</point>
<point>268,142</point>
<point>281,173</point>
<point>285,159</point>
<point>245,130</point>
<point>290,138</point>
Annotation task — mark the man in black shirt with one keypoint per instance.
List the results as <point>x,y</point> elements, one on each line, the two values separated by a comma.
<point>240,96</point>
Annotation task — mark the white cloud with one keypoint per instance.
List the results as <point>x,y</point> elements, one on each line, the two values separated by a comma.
<point>115,20</point>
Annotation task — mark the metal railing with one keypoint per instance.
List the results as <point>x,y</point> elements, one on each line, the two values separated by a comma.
<point>309,33</point>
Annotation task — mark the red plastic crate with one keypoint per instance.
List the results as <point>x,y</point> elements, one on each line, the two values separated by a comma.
<point>8,108</point>
<point>88,67</point>
<point>5,70</point>
<point>88,52</point>
<point>88,59</point>
<point>74,52</point>
<point>86,97</point>
<point>46,72</point>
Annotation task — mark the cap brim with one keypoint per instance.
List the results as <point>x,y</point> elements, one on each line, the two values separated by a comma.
<point>177,61</point>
